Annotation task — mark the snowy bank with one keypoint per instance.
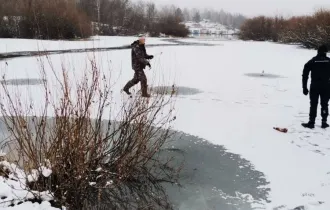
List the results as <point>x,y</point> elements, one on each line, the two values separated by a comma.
<point>14,193</point>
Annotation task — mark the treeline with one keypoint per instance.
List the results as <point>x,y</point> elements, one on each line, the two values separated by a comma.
<point>42,19</point>
<point>69,19</point>
<point>124,17</point>
<point>309,31</point>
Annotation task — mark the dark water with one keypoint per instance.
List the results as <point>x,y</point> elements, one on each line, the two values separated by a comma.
<point>213,178</point>
<point>178,90</point>
<point>22,82</point>
<point>263,75</point>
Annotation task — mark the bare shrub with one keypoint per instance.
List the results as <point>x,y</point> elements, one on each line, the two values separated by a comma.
<point>258,28</point>
<point>95,164</point>
<point>308,31</point>
<point>170,27</point>
<point>169,23</point>
<point>299,30</point>
<point>55,20</point>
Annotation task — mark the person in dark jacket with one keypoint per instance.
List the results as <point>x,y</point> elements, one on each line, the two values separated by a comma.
<point>139,62</point>
<point>319,66</point>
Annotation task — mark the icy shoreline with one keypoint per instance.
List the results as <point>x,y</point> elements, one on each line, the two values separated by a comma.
<point>211,176</point>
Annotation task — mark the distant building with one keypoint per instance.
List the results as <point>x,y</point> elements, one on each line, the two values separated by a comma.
<point>206,27</point>
<point>195,30</point>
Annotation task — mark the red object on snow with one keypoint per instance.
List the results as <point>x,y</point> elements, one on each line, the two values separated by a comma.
<point>283,130</point>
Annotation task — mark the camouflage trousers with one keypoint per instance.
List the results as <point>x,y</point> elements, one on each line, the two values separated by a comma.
<point>139,76</point>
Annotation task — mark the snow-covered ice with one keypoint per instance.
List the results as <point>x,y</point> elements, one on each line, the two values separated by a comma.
<point>20,45</point>
<point>233,110</point>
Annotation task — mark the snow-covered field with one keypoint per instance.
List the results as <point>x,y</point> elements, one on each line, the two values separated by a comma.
<point>233,110</point>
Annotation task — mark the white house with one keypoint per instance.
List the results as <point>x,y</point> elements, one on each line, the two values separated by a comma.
<point>207,27</point>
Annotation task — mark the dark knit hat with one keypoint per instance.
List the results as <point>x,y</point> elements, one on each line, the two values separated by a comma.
<point>322,49</point>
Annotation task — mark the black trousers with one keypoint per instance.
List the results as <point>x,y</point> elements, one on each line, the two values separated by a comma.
<point>316,92</point>
<point>139,76</point>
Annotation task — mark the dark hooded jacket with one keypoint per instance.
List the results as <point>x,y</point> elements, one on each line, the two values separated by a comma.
<point>319,66</point>
<point>139,56</point>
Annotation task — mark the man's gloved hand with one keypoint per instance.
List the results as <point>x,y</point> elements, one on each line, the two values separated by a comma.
<point>148,64</point>
<point>150,57</point>
<point>305,91</point>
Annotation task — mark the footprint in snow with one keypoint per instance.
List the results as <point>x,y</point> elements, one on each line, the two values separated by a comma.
<point>301,116</point>
<point>279,207</point>
<point>287,106</point>
<point>308,195</point>
<point>307,132</point>
<point>318,152</point>
<point>281,90</point>
<point>314,145</point>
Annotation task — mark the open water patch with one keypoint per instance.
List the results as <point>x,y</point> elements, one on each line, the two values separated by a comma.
<point>175,90</point>
<point>263,75</point>
<point>212,177</point>
<point>17,82</point>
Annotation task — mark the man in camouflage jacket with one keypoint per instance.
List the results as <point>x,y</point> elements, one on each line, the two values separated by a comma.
<point>139,62</point>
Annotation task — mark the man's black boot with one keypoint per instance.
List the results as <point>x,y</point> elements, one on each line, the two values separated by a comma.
<point>127,87</point>
<point>144,90</point>
<point>309,125</point>
<point>324,125</point>
<point>127,91</point>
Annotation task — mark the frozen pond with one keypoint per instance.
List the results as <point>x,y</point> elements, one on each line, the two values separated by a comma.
<point>222,98</point>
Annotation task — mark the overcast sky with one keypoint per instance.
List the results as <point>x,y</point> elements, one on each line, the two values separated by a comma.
<point>254,7</point>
